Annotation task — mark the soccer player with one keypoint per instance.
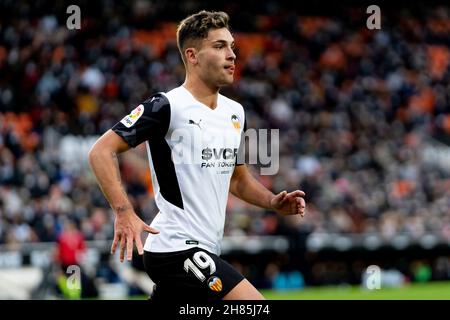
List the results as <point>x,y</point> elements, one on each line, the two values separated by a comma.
<point>181,253</point>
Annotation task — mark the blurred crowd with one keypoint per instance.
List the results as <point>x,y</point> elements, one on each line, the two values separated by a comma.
<point>355,108</point>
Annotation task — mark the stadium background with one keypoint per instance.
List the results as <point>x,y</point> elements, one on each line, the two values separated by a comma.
<point>364,119</point>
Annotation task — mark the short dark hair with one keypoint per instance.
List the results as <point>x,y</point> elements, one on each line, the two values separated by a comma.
<point>197,26</point>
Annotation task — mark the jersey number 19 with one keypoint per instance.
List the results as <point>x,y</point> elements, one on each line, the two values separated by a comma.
<point>202,260</point>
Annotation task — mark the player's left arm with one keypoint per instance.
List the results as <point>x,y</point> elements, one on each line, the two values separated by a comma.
<point>244,186</point>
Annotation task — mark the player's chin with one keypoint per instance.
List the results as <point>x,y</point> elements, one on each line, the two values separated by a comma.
<point>227,79</point>
<point>226,82</point>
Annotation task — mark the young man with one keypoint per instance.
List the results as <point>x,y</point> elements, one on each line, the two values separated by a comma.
<point>181,253</point>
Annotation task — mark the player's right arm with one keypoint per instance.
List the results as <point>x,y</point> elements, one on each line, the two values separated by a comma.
<point>149,120</point>
<point>105,165</point>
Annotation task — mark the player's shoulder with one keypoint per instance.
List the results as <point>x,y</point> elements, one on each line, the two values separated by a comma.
<point>175,95</point>
<point>157,100</point>
<point>233,104</point>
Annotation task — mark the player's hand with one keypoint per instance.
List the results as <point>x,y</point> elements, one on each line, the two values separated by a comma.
<point>127,230</point>
<point>289,203</point>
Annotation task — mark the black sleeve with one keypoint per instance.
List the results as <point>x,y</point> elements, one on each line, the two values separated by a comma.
<point>240,159</point>
<point>150,119</point>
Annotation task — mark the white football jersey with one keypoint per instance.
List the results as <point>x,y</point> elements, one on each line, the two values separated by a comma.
<point>192,151</point>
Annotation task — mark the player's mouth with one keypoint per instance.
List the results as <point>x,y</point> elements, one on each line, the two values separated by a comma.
<point>230,68</point>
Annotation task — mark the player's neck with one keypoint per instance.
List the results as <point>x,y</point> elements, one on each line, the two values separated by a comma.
<point>202,92</point>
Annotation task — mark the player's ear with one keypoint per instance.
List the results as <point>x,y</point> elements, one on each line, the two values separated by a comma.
<point>191,55</point>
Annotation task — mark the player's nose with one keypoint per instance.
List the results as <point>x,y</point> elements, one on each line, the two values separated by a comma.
<point>230,54</point>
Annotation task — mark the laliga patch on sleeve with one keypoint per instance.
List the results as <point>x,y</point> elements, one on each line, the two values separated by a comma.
<point>131,119</point>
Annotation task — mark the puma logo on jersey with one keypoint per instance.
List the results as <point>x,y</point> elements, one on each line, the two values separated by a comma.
<point>195,123</point>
